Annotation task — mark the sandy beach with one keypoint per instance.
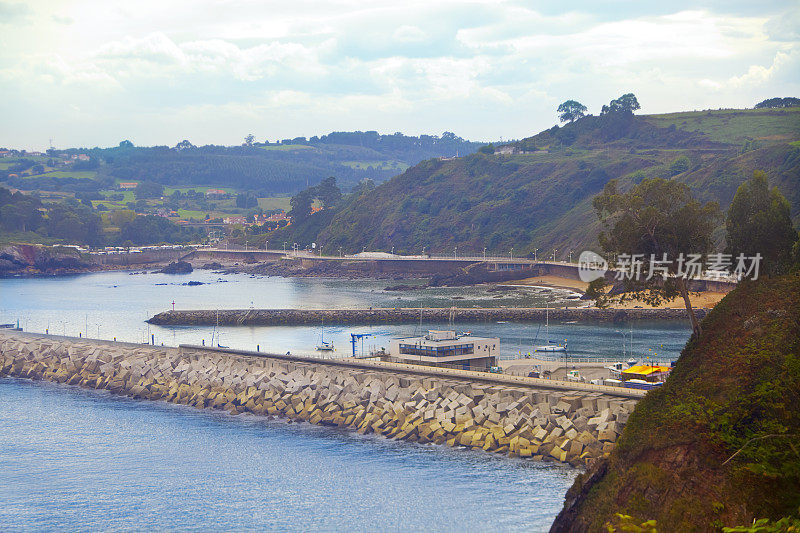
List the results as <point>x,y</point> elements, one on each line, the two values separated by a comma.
<point>698,299</point>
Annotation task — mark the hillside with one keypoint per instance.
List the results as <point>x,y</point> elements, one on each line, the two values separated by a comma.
<point>536,193</point>
<point>717,444</point>
<point>267,169</point>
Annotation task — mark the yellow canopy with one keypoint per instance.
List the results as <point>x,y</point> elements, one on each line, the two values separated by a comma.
<point>645,370</point>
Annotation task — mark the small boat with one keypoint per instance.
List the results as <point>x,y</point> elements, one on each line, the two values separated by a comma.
<point>550,347</point>
<point>324,346</point>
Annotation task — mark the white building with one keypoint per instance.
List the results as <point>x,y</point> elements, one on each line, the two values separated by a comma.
<point>446,348</point>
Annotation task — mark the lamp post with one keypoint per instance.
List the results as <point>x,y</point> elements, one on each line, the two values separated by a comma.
<point>423,251</point>
<point>534,253</point>
<point>554,255</point>
<point>511,254</point>
<point>570,256</point>
<point>455,252</point>
<point>484,253</point>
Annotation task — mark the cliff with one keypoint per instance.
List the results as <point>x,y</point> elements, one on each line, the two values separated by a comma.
<point>717,445</point>
<point>29,259</point>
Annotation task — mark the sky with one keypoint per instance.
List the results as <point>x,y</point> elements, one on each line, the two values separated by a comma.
<point>94,72</point>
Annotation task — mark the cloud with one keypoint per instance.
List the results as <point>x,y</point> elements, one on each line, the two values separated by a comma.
<point>758,75</point>
<point>62,19</point>
<point>14,13</point>
<point>480,68</point>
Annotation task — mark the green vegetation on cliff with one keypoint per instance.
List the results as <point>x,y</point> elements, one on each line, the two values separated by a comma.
<point>536,193</point>
<point>717,445</point>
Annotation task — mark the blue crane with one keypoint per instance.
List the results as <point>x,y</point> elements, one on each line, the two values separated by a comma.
<point>355,337</point>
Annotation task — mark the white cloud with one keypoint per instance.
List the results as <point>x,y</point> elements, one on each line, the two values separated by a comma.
<point>482,69</point>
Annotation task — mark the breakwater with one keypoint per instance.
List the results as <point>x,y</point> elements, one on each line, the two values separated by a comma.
<point>430,406</point>
<point>308,317</point>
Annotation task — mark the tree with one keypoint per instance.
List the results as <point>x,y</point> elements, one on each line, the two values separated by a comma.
<point>148,189</point>
<point>679,165</point>
<point>627,104</point>
<point>248,140</point>
<point>301,205</point>
<point>778,103</point>
<point>125,144</point>
<point>328,193</point>
<point>570,111</point>
<point>759,222</point>
<point>487,149</point>
<point>660,221</point>
<point>184,145</point>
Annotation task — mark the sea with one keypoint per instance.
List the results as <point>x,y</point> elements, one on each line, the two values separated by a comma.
<point>75,459</point>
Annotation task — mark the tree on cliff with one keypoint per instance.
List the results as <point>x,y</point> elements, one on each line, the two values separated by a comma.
<point>570,111</point>
<point>625,104</point>
<point>760,221</point>
<point>652,231</point>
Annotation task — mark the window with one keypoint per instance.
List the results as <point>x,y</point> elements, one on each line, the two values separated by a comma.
<point>437,351</point>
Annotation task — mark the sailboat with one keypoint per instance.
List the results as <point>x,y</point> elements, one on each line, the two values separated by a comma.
<point>550,347</point>
<point>324,346</point>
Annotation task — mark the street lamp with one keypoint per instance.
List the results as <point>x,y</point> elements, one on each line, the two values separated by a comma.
<point>554,255</point>
<point>423,250</point>
<point>570,256</point>
<point>511,254</point>
<point>392,250</point>
<point>455,254</point>
<point>534,253</point>
<point>484,253</point>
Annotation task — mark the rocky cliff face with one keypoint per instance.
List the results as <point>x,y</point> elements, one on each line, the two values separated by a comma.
<point>28,259</point>
<point>717,444</point>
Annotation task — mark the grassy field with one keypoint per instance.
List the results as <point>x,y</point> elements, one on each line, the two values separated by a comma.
<point>186,214</point>
<point>736,125</point>
<point>78,174</point>
<point>276,202</point>
<point>287,147</point>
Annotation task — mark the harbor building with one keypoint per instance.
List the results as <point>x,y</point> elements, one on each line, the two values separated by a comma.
<point>446,348</point>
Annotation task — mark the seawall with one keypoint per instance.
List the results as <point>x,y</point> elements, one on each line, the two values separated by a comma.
<point>299,317</point>
<point>444,408</point>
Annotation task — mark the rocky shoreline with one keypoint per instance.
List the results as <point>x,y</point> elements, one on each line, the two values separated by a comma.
<point>301,317</point>
<point>572,427</point>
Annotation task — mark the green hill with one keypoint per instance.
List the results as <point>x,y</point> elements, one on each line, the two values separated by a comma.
<point>267,169</point>
<point>717,445</point>
<point>536,193</point>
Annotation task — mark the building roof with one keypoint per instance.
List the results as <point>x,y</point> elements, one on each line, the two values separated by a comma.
<point>645,370</point>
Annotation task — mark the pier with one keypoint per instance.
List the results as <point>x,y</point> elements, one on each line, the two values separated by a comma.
<point>510,415</point>
<point>406,315</point>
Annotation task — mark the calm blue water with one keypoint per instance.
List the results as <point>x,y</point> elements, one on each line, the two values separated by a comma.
<point>85,460</point>
<point>116,304</point>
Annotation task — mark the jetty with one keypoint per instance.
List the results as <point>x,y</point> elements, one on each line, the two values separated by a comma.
<point>406,315</point>
<point>511,415</point>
